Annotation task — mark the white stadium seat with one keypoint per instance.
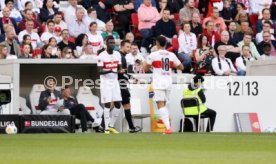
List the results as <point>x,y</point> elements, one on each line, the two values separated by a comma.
<point>23,108</point>
<point>34,97</point>
<point>90,101</point>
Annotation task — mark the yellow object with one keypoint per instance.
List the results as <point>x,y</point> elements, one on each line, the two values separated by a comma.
<point>187,93</point>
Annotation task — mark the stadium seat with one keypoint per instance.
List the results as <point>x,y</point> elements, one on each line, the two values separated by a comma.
<point>23,108</point>
<point>34,97</point>
<point>136,111</point>
<point>71,39</point>
<point>37,52</point>
<point>176,19</point>
<point>253,18</point>
<point>90,101</point>
<point>135,22</point>
<point>193,101</point>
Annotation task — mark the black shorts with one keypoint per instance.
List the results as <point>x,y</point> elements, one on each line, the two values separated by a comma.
<point>125,96</point>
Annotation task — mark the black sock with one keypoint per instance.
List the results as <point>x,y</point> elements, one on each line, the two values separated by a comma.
<point>129,118</point>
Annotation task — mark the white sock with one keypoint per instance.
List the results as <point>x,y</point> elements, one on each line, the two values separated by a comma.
<point>165,117</point>
<point>106,117</point>
<point>115,115</point>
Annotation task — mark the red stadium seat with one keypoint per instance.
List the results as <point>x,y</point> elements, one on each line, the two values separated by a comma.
<point>37,52</point>
<point>135,22</point>
<point>176,18</point>
<point>71,39</point>
<point>253,18</point>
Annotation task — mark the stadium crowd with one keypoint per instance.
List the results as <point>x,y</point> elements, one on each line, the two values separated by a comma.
<point>208,36</point>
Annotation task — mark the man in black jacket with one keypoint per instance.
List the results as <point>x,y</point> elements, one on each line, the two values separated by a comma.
<point>78,110</point>
<point>123,78</point>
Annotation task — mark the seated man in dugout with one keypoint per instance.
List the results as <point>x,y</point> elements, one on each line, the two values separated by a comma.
<point>50,100</point>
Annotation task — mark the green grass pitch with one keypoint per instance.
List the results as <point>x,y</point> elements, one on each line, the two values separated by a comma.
<point>145,148</point>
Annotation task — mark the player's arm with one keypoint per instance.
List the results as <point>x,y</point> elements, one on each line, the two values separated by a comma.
<point>178,64</point>
<point>103,72</point>
<point>147,63</point>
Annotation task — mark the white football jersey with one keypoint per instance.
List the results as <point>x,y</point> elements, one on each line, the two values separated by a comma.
<point>109,62</point>
<point>162,62</point>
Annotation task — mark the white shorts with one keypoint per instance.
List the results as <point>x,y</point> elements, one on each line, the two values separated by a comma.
<point>161,94</point>
<point>110,92</point>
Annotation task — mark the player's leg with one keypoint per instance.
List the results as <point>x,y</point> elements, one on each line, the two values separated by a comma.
<point>106,99</point>
<point>160,98</point>
<point>115,114</point>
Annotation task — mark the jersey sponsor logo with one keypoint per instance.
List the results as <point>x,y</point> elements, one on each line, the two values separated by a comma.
<point>95,43</point>
<point>111,65</point>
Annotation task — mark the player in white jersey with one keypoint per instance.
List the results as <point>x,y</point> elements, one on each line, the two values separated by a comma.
<point>162,62</point>
<point>109,64</point>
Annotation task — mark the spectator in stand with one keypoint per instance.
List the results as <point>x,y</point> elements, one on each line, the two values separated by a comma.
<point>266,17</point>
<point>14,12</point>
<point>51,32</point>
<point>263,4</point>
<point>29,16</point>
<point>187,44</point>
<point>58,21</point>
<point>204,54</point>
<point>81,41</point>
<point>47,52</point>
<point>36,5</point>
<point>78,25</point>
<point>124,9</point>
<point>27,40</point>
<point>95,39</point>
<point>88,52</point>
<point>247,40</point>
<point>134,60</point>
<point>239,10</point>
<point>138,3</point>
<point>241,61</point>
<point>244,29</point>
<point>267,40</point>
<point>225,13</point>
<point>221,65</point>
<point>67,53</point>
<point>243,17</point>
<point>29,30</point>
<point>147,17</point>
<point>99,5</point>
<point>6,28</point>
<point>70,11</point>
<point>11,43</point>
<point>55,50</point>
<point>65,42</point>
<point>49,98</point>
<point>218,21</point>
<point>212,36</point>
<point>109,31</point>
<point>3,51</point>
<point>92,17</point>
<point>234,36</point>
<point>6,19</point>
<point>165,27</point>
<point>196,27</point>
<point>26,52</point>
<point>163,4</point>
<point>185,14</point>
<point>266,28</point>
<point>29,6</point>
<point>266,55</point>
<point>232,50</point>
<point>47,11</point>
<point>130,37</point>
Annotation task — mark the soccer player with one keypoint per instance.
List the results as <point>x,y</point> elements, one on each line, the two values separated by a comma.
<point>109,64</point>
<point>162,62</point>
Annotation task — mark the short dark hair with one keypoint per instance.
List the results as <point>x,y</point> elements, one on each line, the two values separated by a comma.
<point>50,21</point>
<point>58,13</point>
<point>198,78</point>
<point>28,2</point>
<point>124,42</point>
<point>92,23</point>
<point>161,40</point>
<point>267,22</point>
<point>207,22</point>
<point>134,44</point>
<point>7,1</point>
<point>266,9</point>
<point>90,10</point>
<point>109,37</point>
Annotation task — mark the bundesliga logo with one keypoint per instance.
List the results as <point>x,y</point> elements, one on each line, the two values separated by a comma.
<point>46,123</point>
<point>6,123</point>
